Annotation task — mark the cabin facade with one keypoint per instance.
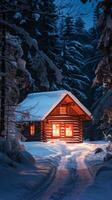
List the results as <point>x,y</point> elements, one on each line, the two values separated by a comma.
<point>52,115</point>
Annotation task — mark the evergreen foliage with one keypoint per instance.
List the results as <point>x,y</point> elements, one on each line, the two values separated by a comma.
<point>25,61</point>
<point>38,62</point>
<point>42,54</point>
<point>79,24</point>
<point>73,63</point>
<point>47,37</point>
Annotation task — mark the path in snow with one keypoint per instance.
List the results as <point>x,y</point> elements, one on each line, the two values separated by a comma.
<point>84,178</point>
<point>72,176</point>
<point>55,190</point>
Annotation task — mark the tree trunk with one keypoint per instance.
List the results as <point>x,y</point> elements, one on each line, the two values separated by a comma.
<point>3,70</point>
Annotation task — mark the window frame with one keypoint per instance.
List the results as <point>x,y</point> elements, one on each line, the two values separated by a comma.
<point>68,124</point>
<point>32,129</point>
<point>62,111</point>
<point>54,134</point>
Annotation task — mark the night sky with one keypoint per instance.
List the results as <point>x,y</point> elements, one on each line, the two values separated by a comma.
<point>76,8</point>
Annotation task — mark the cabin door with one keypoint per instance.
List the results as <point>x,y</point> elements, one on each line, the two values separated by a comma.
<point>68,130</point>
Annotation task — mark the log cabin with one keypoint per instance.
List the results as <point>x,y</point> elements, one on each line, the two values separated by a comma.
<point>52,115</point>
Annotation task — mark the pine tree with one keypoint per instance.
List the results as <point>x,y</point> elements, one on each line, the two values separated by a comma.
<point>38,63</point>
<point>27,18</point>
<point>93,56</point>
<point>73,61</point>
<point>81,34</point>
<point>30,57</point>
<point>79,24</point>
<point>47,28</point>
<point>102,112</point>
<point>11,82</point>
<point>104,69</point>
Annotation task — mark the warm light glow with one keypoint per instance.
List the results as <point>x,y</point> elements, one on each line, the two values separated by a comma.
<point>62,110</point>
<point>69,130</point>
<point>32,129</point>
<point>56,130</point>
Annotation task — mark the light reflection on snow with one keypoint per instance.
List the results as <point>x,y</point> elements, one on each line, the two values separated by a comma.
<point>72,161</point>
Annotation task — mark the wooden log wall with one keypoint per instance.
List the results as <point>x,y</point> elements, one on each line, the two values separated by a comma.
<point>77,128</point>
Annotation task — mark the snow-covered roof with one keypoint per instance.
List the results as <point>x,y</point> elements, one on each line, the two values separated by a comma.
<point>37,106</point>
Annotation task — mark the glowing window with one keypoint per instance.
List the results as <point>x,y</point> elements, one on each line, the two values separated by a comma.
<point>56,130</point>
<point>62,110</point>
<point>69,130</point>
<point>32,129</point>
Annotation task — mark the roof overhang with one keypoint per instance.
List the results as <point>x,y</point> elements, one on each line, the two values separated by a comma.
<point>78,106</point>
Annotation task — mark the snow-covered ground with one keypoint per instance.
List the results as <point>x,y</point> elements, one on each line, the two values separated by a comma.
<point>62,172</point>
<point>21,179</point>
<point>73,174</point>
<point>43,149</point>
